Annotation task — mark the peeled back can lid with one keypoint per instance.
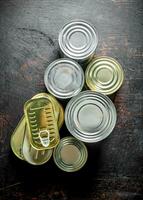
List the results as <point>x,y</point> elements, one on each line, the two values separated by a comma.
<point>78,40</point>
<point>104,74</point>
<point>64,78</point>
<point>70,154</point>
<point>90,116</point>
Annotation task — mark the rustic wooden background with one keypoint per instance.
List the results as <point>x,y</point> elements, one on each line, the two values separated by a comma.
<point>28,41</point>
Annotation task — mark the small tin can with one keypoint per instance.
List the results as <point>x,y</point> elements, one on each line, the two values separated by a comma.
<point>78,40</point>
<point>20,142</point>
<point>64,78</point>
<point>90,116</point>
<point>104,74</point>
<point>70,155</point>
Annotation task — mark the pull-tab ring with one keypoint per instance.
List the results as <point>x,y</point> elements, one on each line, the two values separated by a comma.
<point>44,136</point>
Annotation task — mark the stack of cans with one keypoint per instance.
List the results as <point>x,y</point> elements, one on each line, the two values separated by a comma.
<point>90,115</point>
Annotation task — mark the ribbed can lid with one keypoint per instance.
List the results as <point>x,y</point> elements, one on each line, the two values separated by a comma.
<point>64,78</point>
<point>104,74</point>
<point>78,40</point>
<point>90,116</point>
<point>70,154</point>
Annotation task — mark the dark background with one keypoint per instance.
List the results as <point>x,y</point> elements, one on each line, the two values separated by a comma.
<point>28,42</point>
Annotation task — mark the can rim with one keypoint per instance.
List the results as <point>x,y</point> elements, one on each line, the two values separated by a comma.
<point>81,135</point>
<point>69,61</point>
<point>106,92</point>
<point>85,23</point>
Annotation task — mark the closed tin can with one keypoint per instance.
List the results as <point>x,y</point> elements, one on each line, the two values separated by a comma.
<point>90,116</point>
<point>104,74</point>
<point>78,40</point>
<point>20,141</point>
<point>64,78</point>
<point>70,155</point>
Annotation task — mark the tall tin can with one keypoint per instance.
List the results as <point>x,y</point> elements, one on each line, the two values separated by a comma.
<point>78,40</point>
<point>70,155</point>
<point>105,75</point>
<point>90,116</point>
<point>64,78</point>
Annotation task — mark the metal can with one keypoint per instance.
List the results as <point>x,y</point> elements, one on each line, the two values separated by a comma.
<point>105,75</point>
<point>20,142</point>
<point>70,155</point>
<point>90,116</point>
<point>78,40</point>
<point>64,78</point>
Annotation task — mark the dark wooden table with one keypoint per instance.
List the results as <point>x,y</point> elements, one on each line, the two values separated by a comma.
<point>28,41</point>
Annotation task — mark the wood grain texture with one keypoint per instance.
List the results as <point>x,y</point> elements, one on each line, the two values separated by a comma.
<point>28,42</point>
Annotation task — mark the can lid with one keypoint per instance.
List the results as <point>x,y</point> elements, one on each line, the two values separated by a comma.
<point>90,116</point>
<point>78,40</point>
<point>33,156</point>
<point>70,154</point>
<point>42,124</point>
<point>104,74</point>
<point>64,78</point>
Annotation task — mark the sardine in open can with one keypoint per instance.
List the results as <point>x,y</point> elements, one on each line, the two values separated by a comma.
<point>90,116</point>
<point>70,155</point>
<point>104,74</point>
<point>78,40</point>
<point>64,78</point>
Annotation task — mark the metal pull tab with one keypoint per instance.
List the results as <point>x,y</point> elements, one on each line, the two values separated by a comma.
<point>44,138</point>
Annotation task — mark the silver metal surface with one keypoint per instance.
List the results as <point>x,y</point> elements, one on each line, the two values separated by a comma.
<point>90,116</point>
<point>70,155</point>
<point>64,78</point>
<point>78,40</point>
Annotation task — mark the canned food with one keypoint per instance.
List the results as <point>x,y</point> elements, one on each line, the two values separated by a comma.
<point>64,78</point>
<point>70,154</point>
<point>20,142</point>
<point>104,74</point>
<point>78,40</point>
<point>42,124</point>
<point>90,116</point>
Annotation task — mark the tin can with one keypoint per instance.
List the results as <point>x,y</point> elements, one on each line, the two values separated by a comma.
<point>90,116</point>
<point>105,75</point>
<point>78,40</point>
<point>20,142</point>
<point>64,78</point>
<point>70,155</point>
